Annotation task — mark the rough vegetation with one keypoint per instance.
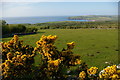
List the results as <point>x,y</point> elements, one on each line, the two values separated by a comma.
<point>18,62</point>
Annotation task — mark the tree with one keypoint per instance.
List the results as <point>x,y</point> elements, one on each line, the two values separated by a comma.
<point>3,22</point>
<point>21,28</point>
<point>4,25</point>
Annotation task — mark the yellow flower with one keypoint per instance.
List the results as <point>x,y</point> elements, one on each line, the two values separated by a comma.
<point>17,52</point>
<point>18,56</point>
<point>118,71</point>
<point>23,57</point>
<point>54,62</point>
<point>8,62</point>
<point>14,58</point>
<point>15,38</point>
<point>111,69</point>
<point>57,62</point>
<point>70,45</point>
<point>108,71</point>
<point>50,37</point>
<point>9,55</point>
<point>78,61</point>
<point>5,44</point>
<point>11,41</point>
<point>8,45</point>
<point>114,76</point>
<point>82,74</point>
<point>32,55</point>
<point>92,70</point>
<point>35,49</point>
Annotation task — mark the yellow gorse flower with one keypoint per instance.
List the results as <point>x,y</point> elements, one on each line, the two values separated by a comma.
<point>82,75</point>
<point>78,61</point>
<point>115,76</point>
<point>118,71</point>
<point>45,44</point>
<point>15,38</point>
<point>50,37</point>
<point>5,44</point>
<point>11,41</point>
<point>17,52</point>
<point>24,56</point>
<point>54,62</point>
<point>16,55</point>
<point>109,72</point>
<point>8,62</point>
<point>92,70</point>
<point>9,55</point>
<point>70,45</point>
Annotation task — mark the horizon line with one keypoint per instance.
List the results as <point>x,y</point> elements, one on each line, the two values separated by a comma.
<point>63,15</point>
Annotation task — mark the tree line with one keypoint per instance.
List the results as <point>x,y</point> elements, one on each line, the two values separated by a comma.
<point>15,28</point>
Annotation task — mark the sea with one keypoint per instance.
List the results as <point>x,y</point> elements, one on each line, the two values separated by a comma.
<point>38,19</point>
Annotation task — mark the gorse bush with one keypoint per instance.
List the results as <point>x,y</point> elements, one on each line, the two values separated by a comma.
<point>17,59</point>
<point>55,61</point>
<point>18,62</point>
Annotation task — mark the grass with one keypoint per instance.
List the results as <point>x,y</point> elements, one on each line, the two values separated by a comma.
<point>95,46</point>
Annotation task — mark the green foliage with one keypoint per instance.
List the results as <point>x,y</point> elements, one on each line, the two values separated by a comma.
<point>21,28</point>
<point>31,30</point>
<point>5,29</point>
<point>16,28</point>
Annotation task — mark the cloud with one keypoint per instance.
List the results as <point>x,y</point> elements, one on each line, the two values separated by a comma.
<point>18,10</point>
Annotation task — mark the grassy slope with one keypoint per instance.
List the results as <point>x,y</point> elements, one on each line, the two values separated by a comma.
<point>88,42</point>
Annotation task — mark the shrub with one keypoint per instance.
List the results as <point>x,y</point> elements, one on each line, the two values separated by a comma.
<point>31,30</point>
<point>17,59</point>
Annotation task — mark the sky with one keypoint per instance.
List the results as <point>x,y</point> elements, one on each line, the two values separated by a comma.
<point>26,9</point>
<point>60,0</point>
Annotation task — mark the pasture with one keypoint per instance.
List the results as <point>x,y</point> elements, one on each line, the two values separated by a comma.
<point>95,46</point>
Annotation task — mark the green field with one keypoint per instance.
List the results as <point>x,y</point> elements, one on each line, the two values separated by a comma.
<point>95,46</point>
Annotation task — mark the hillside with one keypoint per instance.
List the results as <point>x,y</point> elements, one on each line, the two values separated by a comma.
<point>94,17</point>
